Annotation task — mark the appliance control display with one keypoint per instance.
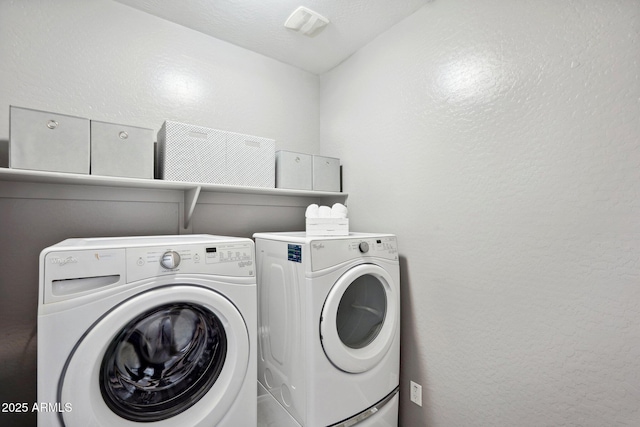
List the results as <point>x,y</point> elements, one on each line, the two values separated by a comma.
<point>231,252</point>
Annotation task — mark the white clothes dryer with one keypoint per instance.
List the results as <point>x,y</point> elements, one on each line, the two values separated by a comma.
<point>156,331</point>
<point>329,327</point>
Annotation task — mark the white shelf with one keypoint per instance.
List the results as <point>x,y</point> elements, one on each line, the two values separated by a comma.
<point>191,190</point>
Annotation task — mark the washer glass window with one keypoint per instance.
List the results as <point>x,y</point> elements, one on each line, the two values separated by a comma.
<point>361,312</point>
<point>162,362</point>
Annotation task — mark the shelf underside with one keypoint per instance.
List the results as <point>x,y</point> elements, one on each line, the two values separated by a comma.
<point>192,191</point>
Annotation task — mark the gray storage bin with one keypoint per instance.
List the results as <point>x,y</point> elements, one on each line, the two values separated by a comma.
<point>294,170</point>
<point>120,150</point>
<point>326,173</point>
<point>47,141</point>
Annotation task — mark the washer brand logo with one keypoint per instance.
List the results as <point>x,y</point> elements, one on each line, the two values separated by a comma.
<point>318,246</point>
<point>64,261</point>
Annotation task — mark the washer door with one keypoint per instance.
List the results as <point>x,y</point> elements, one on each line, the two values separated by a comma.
<point>175,355</point>
<point>360,318</point>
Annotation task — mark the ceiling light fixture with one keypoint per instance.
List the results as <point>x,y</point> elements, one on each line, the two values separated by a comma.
<point>306,21</point>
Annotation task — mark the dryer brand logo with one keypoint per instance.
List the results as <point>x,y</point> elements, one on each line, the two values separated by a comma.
<point>64,261</point>
<point>318,246</point>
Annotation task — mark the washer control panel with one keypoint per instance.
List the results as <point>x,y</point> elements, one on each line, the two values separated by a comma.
<point>224,259</point>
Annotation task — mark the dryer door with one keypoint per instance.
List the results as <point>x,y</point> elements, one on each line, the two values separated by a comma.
<point>174,355</point>
<point>360,318</point>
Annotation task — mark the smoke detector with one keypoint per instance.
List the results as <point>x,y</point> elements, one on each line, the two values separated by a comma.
<point>306,21</point>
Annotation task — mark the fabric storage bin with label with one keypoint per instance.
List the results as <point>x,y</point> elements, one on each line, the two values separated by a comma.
<point>251,160</point>
<point>191,153</point>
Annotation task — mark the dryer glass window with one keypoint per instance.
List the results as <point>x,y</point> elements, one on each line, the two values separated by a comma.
<point>162,362</point>
<point>361,311</point>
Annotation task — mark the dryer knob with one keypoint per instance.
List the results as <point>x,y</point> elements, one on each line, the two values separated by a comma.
<point>364,247</point>
<point>170,260</point>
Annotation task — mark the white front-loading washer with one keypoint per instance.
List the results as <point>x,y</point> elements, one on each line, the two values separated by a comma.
<point>329,327</point>
<point>154,331</point>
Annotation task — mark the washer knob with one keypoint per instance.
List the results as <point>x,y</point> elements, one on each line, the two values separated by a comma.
<point>170,260</point>
<point>364,247</point>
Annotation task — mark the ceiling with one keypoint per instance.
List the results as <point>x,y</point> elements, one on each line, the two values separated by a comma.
<point>258,25</point>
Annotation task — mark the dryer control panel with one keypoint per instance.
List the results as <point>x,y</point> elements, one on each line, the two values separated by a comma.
<point>327,253</point>
<point>223,259</point>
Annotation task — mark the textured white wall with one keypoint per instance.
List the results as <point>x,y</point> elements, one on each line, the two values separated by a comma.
<point>106,61</point>
<point>501,141</point>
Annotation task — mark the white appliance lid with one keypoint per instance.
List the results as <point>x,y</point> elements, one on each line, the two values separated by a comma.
<point>141,241</point>
<point>301,236</point>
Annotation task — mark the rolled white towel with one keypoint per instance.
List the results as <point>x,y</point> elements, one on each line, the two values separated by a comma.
<point>312,211</point>
<point>324,212</point>
<point>338,210</point>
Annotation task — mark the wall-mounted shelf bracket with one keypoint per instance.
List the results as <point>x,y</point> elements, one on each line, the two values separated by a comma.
<point>190,200</point>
